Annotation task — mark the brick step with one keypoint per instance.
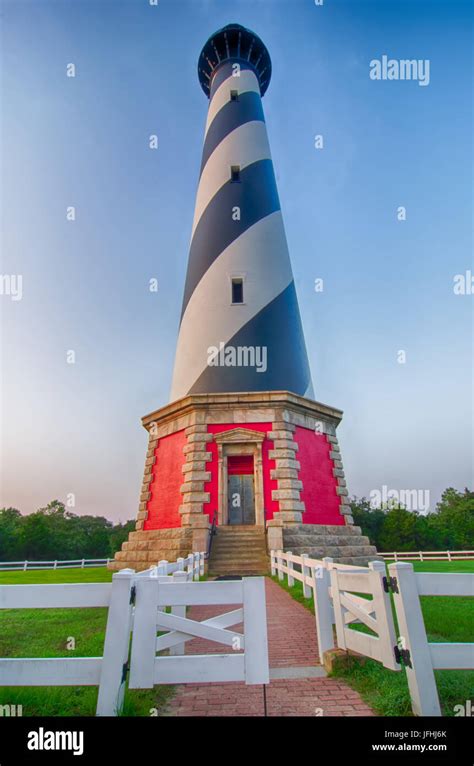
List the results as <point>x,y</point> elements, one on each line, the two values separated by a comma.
<point>241,572</point>
<point>229,546</point>
<point>239,535</point>
<point>239,549</point>
<point>245,570</point>
<point>243,549</point>
<point>248,546</point>
<point>231,528</point>
<point>240,559</point>
<point>242,556</point>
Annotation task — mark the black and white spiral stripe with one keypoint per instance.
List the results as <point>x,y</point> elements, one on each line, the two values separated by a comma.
<point>253,248</point>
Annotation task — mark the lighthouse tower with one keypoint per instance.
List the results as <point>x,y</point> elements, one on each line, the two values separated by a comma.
<point>239,290</point>
<point>242,447</point>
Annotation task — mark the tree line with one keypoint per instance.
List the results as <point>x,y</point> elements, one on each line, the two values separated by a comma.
<point>53,533</point>
<point>394,528</point>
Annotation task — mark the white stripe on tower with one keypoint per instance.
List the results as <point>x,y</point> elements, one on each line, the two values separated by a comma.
<point>249,143</point>
<point>238,232</point>
<point>246,82</point>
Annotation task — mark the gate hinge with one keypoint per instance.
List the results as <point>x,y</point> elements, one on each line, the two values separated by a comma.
<point>402,656</point>
<point>390,584</point>
<point>133,593</point>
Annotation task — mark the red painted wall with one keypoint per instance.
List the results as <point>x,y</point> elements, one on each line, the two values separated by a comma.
<point>319,485</point>
<point>163,506</point>
<point>271,506</point>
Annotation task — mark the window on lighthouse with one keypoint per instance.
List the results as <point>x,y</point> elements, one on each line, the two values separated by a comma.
<point>237,290</point>
<point>235,174</point>
<point>234,95</point>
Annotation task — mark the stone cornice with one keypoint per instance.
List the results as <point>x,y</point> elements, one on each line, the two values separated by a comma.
<point>253,399</point>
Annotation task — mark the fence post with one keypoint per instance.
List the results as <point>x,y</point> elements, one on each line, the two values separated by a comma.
<point>116,645</point>
<point>421,555</point>
<point>178,611</point>
<point>196,565</point>
<point>25,566</point>
<point>272,563</point>
<point>449,555</point>
<point>395,556</point>
<point>280,564</point>
<point>305,571</point>
<point>291,579</point>
<point>326,561</point>
<point>338,610</point>
<point>55,565</point>
<point>189,561</point>
<point>255,631</point>
<point>145,626</point>
<point>82,564</point>
<point>323,609</point>
<point>202,562</point>
<point>420,676</point>
<point>161,569</point>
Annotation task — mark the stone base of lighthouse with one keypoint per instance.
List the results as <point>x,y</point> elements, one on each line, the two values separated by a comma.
<point>255,462</point>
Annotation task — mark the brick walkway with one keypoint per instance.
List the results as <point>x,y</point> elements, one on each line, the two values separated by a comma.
<point>292,645</point>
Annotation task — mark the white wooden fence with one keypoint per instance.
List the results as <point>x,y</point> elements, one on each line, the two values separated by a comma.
<point>334,587</point>
<point>197,559</point>
<point>193,565</point>
<point>427,555</point>
<point>11,566</point>
<point>136,603</point>
<point>421,657</point>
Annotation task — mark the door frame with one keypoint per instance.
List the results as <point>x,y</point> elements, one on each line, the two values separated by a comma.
<point>240,441</point>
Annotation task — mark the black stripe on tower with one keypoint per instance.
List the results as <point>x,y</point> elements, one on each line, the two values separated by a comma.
<point>257,197</point>
<point>277,328</point>
<point>234,114</point>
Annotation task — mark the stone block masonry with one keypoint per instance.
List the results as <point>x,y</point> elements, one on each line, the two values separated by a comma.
<point>298,474</point>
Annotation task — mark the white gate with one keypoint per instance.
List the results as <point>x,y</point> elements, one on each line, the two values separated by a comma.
<point>249,659</point>
<point>376,614</point>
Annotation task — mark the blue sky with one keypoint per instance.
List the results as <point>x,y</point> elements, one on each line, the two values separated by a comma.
<point>388,285</point>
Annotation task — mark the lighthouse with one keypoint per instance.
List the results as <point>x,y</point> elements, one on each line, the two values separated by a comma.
<point>242,450</point>
<point>239,291</point>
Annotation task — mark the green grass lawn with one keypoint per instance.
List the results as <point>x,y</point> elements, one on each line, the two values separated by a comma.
<point>446,619</point>
<point>441,566</point>
<point>45,633</point>
<point>32,576</point>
